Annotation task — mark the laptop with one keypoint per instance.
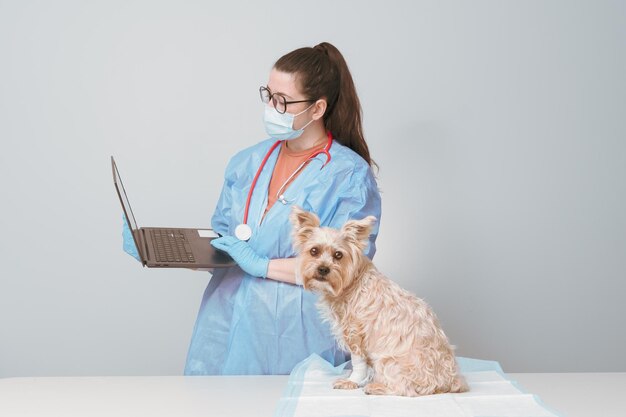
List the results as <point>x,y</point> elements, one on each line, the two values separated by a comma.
<point>167,247</point>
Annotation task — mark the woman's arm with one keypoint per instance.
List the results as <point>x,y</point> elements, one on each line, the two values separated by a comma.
<point>283,269</point>
<point>279,270</point>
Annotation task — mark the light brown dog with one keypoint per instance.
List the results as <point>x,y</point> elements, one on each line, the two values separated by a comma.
<point>383,326</point>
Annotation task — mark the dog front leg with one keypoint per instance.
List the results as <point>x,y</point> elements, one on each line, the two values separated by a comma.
<point>359,370</point>
<point>357,378</point>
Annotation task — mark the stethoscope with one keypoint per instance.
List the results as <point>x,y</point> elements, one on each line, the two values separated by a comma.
<point>243,231</point>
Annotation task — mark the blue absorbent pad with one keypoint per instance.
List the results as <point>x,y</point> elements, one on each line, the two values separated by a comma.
<point>309,393</point>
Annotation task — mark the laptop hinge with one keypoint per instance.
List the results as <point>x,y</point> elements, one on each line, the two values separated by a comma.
<point>145,243</point>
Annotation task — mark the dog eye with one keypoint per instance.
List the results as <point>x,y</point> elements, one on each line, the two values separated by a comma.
<point>314,251</point>
<point>338,255</point>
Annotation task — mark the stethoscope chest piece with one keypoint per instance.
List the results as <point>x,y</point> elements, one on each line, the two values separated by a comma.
<point>243,232</point>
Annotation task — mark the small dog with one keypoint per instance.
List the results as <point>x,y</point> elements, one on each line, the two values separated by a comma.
<point>383,326</point>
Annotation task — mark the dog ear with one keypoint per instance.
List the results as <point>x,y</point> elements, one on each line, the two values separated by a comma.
<point>359,230</point>
<point>300,218</point>
<point>304,223</point>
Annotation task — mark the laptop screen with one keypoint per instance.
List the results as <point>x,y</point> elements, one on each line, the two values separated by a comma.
<point>128,211</point>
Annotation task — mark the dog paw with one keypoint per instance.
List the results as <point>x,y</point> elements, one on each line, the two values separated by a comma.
<point>345,384</point>
<point>376,388</point>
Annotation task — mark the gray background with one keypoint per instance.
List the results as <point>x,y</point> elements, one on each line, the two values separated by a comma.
<point>499,128</point>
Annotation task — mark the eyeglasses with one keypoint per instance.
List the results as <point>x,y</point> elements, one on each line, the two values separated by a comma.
<point>278,100</point>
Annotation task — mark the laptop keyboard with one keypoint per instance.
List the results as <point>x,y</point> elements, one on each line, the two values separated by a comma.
<point>171,246</point>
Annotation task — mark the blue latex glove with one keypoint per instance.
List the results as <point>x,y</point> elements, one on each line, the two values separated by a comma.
<point>243,254</point>
<point>129,242</point>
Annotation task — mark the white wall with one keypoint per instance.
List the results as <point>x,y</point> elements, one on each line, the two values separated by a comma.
<point>498,126</point>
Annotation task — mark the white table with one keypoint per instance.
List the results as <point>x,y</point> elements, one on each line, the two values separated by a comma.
<point>573,395</point>
<point>578,394</point>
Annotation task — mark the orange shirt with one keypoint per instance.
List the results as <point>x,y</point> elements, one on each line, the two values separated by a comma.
<point>288,161</point>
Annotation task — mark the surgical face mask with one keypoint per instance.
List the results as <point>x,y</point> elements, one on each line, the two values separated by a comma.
<point>280,126</point>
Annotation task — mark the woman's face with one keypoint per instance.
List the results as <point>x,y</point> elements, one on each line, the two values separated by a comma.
<point>284,83</point>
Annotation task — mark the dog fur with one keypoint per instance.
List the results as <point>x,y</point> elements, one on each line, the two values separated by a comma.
<point>382,325</point>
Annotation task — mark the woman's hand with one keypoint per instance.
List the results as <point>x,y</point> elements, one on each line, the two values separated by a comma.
<point>243,254</point>
<point>129,243</point>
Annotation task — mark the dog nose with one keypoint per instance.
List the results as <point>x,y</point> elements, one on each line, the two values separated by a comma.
<point>323,270</point>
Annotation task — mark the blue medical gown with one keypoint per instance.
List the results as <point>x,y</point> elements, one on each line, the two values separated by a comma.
<point>249,325</point>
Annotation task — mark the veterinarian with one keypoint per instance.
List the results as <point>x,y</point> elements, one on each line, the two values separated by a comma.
<point>256,318</point>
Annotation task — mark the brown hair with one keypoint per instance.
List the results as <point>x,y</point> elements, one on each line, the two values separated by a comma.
<point>322,72</point>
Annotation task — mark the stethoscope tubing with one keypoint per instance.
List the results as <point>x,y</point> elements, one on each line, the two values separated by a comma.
<point>324,151</point>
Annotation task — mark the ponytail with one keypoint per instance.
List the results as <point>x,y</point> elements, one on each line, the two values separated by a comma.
<point>323,73</point>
